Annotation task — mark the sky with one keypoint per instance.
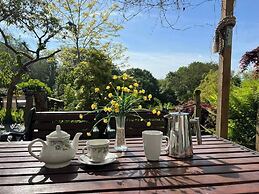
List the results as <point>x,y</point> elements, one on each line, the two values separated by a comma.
<point>160,49</point>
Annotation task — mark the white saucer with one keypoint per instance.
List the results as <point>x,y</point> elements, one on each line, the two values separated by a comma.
<point>111,157</point>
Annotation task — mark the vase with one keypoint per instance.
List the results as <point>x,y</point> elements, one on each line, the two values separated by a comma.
<point>120,141</point>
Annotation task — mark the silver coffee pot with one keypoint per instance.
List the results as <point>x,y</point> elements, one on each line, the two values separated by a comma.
<point>179,132</point>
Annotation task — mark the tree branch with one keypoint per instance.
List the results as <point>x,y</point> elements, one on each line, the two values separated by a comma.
<point>40,58</point>
<point>27,48</point>
<point>6,43</point>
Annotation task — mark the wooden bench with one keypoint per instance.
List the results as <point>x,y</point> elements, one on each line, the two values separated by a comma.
<point>40,124</point>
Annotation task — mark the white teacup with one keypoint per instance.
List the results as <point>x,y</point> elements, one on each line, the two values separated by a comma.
<point>153,144</point>
<point>97,149</point>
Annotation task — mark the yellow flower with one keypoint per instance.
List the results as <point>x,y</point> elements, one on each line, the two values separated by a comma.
<point>105,109</point>
<point>109,109</point>
<point>135,91</point>
<point>96,90</point>
<point>148,124</point>
<point>110,95</point>
<point>81,116</point>
<point>125,89</point>
<point>149,96</point>
<point>130,86</point>
<point>116,110</point>
<point>124,76</point>
<point>140,107</point>
<point>108,87</point>
<point>118,87</point>
<point>94,106</point>
<point>105,120</point>
<point>143,91</point>
<point>115,77</point>
<point>154,111</point>
<point>135,84</point>
<point>113,102</point>
<point>145,98</point>
<point>116,105</point>
<point>158,113</point>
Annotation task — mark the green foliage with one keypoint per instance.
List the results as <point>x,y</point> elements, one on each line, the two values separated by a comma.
<point>185,80</point>
<point>34,85</point>
<point>45,71</point>
<point>243,103</point>
<point>166,93</point>
<point>243,110</point>
<point>87,24</point>
<point>147,80</point>
<point>76,83</point>
<point>34,19</point>
<point>209,88</point>
<point>7,68</point>
<point>163,106</point>
<point>17,115</point>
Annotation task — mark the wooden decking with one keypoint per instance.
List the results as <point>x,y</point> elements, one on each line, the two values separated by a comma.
<point>218,166</point>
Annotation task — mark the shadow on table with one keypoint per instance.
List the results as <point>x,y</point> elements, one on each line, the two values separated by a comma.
<point>55,175</point>
<point>178,174</point>
<point>114,169</point>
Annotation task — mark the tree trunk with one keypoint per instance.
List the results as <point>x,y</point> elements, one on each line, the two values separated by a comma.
<point>11,88</point>
<point>8,115</point>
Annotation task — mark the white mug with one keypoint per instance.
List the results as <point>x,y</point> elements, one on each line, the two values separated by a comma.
<point>97,149</point>
<point>152,140</point>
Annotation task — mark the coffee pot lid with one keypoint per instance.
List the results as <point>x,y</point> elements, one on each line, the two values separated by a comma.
<point>173,114</point>
<point>58,134</point>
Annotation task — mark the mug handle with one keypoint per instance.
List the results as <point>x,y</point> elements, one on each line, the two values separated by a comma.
<point>166,148</point>
<point>30,147</point>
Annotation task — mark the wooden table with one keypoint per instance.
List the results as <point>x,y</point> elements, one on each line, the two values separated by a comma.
<point>218,166</point>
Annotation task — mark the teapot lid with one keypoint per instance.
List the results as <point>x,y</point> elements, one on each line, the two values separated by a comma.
<point>58,134</point>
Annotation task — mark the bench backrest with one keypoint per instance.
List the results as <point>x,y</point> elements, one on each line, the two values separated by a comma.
<point>42,123</point>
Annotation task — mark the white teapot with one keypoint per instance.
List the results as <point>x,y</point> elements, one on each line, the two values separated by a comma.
<point>57,152</point>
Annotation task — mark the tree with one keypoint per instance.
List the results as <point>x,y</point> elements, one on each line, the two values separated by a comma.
<point>186,79</point>
<point>209,88</point>
<point>88,24</point>
<point>251,57</point>
<point>7,68</point>
<point>149,83</point>
<point>76,84</point>
<point>34,19</point>
<point>45,71</point>
<point>164,9</point>
<point>166,93</point>
<point>242,107</point>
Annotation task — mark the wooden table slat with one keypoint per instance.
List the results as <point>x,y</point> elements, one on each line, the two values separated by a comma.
<point>218,166</point>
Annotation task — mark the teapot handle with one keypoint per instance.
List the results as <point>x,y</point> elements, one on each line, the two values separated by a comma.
<point>30,147</point>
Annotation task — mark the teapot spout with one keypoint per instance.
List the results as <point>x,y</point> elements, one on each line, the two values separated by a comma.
<point>75,141</point>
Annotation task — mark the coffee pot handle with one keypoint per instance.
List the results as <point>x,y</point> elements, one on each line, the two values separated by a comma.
<point>166,148</point>
<point>30,147</point>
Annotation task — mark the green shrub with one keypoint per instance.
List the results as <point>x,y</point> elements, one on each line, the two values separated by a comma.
<point>34,85</point>
<point>17,115</point>
<point>243,103</point>
<point>243,111</point>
